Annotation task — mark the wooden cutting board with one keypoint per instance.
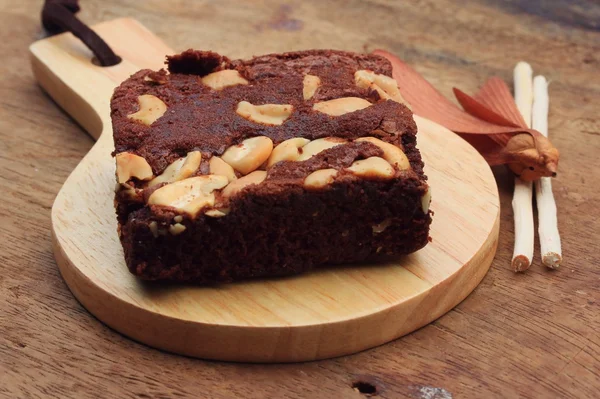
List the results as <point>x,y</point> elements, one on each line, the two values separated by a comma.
<point>326,313</point>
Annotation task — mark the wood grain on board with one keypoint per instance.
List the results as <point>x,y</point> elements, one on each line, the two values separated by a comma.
<point>533,335</point>
<point>327,313</point>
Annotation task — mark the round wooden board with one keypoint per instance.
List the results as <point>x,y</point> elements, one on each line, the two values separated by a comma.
<point>325,313</point>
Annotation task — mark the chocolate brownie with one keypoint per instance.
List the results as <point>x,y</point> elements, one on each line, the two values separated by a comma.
<point>234,169</point>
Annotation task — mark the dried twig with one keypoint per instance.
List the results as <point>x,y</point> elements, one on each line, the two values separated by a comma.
<point>547,222</point>
<point>522,198</point>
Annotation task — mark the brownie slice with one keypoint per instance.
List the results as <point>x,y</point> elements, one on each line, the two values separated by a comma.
<point>233,169</point>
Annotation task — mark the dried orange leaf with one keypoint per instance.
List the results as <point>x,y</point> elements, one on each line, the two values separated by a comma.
<point>495,95</point>
<point>490,121</point>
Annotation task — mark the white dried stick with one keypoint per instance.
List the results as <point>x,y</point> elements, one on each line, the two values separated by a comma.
<point>522,197</point>
<point>547,223</point>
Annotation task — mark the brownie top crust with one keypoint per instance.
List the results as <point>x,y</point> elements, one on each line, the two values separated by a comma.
<point>208,103</point>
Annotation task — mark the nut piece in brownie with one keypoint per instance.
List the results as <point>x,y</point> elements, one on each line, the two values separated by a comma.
<point>233,169</point>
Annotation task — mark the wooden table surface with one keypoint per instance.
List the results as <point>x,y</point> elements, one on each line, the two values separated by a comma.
<point>531,335</point>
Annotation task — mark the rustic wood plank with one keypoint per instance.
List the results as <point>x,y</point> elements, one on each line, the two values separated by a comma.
<point>533,335</point>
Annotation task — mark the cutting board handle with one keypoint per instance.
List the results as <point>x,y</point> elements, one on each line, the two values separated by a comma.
<point>64,69</point>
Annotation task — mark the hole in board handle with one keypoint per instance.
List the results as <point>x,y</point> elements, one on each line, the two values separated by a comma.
<point>97,63</point>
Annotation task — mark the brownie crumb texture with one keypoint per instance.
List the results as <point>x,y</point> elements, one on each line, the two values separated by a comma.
<point>233,169</point>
